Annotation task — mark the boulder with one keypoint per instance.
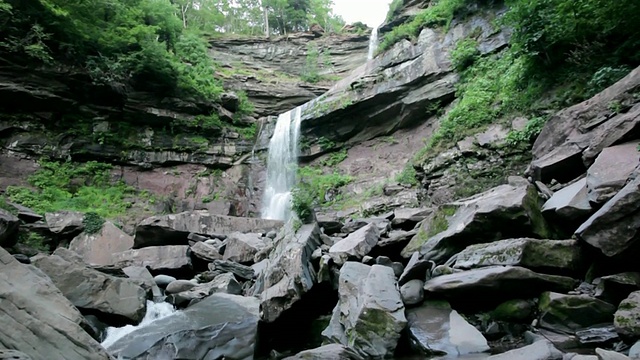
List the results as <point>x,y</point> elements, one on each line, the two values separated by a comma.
<point>412,292</point>
<point>239,270</point>
<point>242,248</point>
<point>397,237</point>
<point>13,355</point>
<point>481,219</point>
<point>155,258</point>
<point>615,288</point>
<point>224,283</point>
<point>495,283</point>
<point>515,310</point>
<point>65,223</point>
<point>615,226</point>
<point>205,251</point>
<point>369,315</point>
<point>9,225</point>
<point>415,269</point>
<point>331,351</point>
<point>357,244</point>
<point>435,329</point>
<point>219,326</point>
<point>163,280</point>
<point>539,350</point>
<point>610,355</point>
<point>598,336</point>
<point>570,313</point>
<point>572,138</point>
<point>407,218</point>
<point>289,273</point>
<point>177,286</point>
<point>96,249</point>
<point>37,319</point>
<point>25,214</point>
<point>329,222</point>
<point>556,256</point>
<point>610,171</point>
<point>173,229</point>
<point>115,301</point>
<point>570,203</point>
<point>627,317</point>
<point>145,279</point>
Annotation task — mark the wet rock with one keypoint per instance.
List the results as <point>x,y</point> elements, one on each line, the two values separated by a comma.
<point>67,223</point>
<point>412,292</point>
<point>614,227</point>
<point>289,273</point>
<point>369,315</point>
<point>9,225</point>
<point>569,313</point>
<point>242,248</point>
<point>634,352</point>
<point>224,283</point>
<point>570,203</point>
<point>513,311</point>
<point>155,258</point>
<point>610,171</point>
<point>539,350</point>
<point>145,279</point>
<point>205,251</point>
<point>627,317</point>
<point>114,300</point>
<point>163,280</point>
<point>331,351</point>
<point>557,256</point>
<point>239,270</point>
<point>175,228</point>
<point>598,336</point>
<point>37,319</point>
<point>96,249</point>
<point>220,325</point>
<point>357,244</point>
<point>494,283</point>
<point>480,219</point>
<point>615,288</point>
<point>435,329</point>
<point>179,286</point>
<point>22,258</point>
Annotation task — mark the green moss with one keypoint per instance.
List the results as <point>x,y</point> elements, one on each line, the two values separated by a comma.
<point>32,240</point>
<point>6,207</point>
<point>92,223</point>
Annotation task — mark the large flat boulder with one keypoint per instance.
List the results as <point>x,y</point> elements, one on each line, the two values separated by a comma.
<point>357,244</point>
<point>556,256</point>
<point>570,203</point>
<point>572,138</point>
<point>369,315</point>
<point>289,273</point>
<point>242,248</point>
<point>570,313</point>
<point>481,219</point>
<point>8,229</point>
<point>175,228</point>
<point>96,249</point>
<point>155,258</point>
<point>436,329</point>
<point>498,282</point>
<point>219,326</point>
<point>610,171</point>
<point>37,319</point>
<point>116,301</point>
<point>616,225</point>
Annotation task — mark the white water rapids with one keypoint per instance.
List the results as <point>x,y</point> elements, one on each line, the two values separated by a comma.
<point>155,311</point>
<point>282,165</point>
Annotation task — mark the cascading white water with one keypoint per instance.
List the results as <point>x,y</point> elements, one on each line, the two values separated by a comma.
<point>373,43</point>
<point>282,165</point>
<point>155,311</point>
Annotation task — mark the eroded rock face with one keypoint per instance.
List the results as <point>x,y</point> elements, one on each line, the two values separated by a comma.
<point>96,249</point>
<point>37,319</point>
<point>435,329</point>
<point>155,258</point>
<point>558,256</point>
<point>480,219</point>
<point>370,313</point>
<point>221,325</point>
<point>615,226</point>
<point>116,300</point>
<point>174,229</point>
<point>289,273</point>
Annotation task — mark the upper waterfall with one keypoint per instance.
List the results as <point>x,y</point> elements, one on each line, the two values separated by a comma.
<point>282,164</point>
<point>373,43</point>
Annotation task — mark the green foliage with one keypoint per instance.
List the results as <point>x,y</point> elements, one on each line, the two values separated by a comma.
<point>325,144</point>
<point>439,14</point>
<point>335,158</point>
<point>32,240</point>
<point>196,74</point>
<point>6,207</point>
<point>311,72</point>
<point>605,77</point>
<point>394,8</point>
<point>464,54</point>
<point>531,130</point>
<point>66,186</point>
<point>314,188</point>
<point>408,175</point>
<point>245,107</point>
<point>92,223</point>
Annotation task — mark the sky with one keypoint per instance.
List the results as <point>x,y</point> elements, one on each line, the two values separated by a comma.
<point>370,12</point>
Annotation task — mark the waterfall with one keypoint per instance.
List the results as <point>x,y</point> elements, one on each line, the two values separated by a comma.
<point>282,166</point>
<point>155,311</point>
<point>373,43</point>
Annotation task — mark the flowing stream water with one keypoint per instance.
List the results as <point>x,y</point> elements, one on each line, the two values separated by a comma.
<point>373,43</point>
<point>155,311</point>
<point>282,164</point>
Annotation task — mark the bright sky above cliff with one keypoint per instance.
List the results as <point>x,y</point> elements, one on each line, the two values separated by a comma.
<point>370,12</point>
